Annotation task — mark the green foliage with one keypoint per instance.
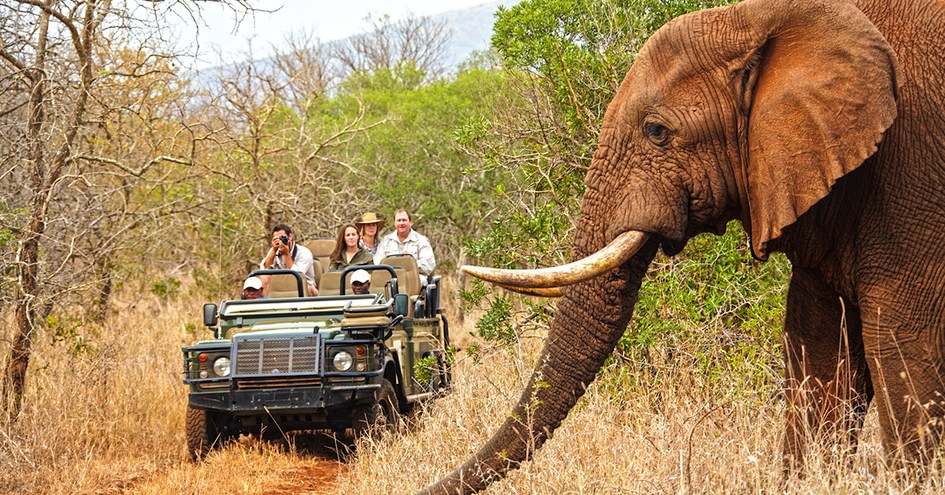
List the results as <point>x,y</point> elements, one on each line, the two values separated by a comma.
<point>715,310</point>
<point>7,237</point>
<point>9,220</point>
<point>474,351</point>
<point>582,48</point>
<point>412,159</point>
<point>67,330</point>
<point>190,328</point>
<point>495,325</point>
<point>524,239</point>
<point>405,76</point>
<point>473,297</point>
<point>424,368</point>
<point>166,288</point>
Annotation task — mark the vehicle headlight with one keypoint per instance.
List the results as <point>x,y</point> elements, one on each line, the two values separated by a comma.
<point>221,366</point>
<point>342,361</point>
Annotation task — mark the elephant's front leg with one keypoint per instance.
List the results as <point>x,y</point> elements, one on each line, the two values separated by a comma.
<point>909,378</point>
<point>827,386</point>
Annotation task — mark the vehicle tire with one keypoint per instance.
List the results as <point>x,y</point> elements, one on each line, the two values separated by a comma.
<point>204,431</point>
<point>381,416</point>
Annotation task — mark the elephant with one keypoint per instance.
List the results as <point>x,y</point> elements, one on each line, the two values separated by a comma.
<point>820,126</point>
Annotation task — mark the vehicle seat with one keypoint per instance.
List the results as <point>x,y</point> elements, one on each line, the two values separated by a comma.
<point>317,268</point>
<point>331,282</point>
<point>284,285</point>
<point>321,251</point>
<point>410,281</point>
<point>380,278</point>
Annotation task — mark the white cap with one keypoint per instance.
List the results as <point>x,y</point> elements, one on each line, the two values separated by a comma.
<point>360,276</point>
<point>252,283</point>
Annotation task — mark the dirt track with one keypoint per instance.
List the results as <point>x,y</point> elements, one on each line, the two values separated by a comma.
<point>323,462</point>
<point>319,477</point>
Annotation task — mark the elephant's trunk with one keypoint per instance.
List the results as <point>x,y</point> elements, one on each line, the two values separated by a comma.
<point>591,318</point>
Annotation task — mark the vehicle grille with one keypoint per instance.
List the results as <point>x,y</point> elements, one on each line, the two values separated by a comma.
<point>277,356</point>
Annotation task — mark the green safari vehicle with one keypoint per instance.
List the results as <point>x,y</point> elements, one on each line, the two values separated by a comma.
<point>335,361</point>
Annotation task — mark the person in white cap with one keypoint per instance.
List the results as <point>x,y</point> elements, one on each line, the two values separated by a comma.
<point>252,288</point>
<point>361,282</point>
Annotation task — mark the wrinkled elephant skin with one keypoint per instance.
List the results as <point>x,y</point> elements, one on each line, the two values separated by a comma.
<point>817,124</point>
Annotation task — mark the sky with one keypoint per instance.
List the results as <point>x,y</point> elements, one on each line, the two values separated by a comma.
<point>221,37</point>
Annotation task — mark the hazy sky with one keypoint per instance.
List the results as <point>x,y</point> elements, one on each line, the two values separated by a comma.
<point>221,36</point>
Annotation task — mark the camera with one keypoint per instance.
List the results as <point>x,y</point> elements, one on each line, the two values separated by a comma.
<point>284,239</point>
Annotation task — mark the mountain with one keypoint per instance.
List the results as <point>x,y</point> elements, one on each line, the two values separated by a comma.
<point>472,29</point>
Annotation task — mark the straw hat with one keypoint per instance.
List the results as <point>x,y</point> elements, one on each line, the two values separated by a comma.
<point>371,217</point>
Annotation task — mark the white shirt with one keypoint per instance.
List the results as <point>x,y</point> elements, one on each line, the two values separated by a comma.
<point>415,245</point>
<point>302,261</point>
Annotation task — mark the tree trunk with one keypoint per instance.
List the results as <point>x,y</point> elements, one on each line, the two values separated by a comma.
<point>14,379</point>
<point>461,283</point>
<point>104,295</point>
<point>44,175</point>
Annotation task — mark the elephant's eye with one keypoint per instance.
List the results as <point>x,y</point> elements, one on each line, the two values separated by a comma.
<point>657,134</point>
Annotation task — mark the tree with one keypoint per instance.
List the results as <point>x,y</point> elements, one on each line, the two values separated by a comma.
<point>419,42</point>
<point>50,111</point>
<point>279,158</point>
<point>131,172</point>
<point>55,65</point>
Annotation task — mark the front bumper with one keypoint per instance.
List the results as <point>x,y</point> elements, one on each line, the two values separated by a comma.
<point>297,400</point>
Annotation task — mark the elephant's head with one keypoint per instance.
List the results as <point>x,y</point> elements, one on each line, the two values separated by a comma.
<point>747,112</point>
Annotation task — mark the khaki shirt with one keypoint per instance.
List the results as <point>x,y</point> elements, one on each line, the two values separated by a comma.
<point>415,245</point>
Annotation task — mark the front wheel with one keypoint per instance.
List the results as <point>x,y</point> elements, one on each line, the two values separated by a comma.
<point>205,430</point>
<point>383,415</point>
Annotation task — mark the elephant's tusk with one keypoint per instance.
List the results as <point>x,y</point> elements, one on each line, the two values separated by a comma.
<point>613,255</point>
<point>535,291</point>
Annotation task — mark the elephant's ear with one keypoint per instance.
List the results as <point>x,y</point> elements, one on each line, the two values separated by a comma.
<point>825,90</point>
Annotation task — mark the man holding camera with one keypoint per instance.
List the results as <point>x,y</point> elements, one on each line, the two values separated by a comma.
<point>286,254</point>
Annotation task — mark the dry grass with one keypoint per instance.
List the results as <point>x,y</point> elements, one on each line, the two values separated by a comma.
<point>109,420</point>
<point>671,440</point>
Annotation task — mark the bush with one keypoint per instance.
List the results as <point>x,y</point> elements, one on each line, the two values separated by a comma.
<point>713,309</point>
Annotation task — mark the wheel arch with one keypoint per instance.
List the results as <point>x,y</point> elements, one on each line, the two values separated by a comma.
<point>393,375</point>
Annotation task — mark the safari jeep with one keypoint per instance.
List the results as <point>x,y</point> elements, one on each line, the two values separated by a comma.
<point>335,361</point>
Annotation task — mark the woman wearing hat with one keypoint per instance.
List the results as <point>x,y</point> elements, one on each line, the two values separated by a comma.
<point>370,228</point>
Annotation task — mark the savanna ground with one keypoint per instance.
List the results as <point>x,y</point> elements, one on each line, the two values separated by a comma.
<point>104,414</point>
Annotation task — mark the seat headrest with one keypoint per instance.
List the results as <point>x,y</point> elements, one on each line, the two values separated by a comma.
<point>320,247</point>
<point>410,282</point>
<point>284,285</point>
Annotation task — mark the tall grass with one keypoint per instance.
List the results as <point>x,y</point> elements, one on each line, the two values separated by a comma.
<point>104,414</point>
<point>676,433</point>
<point>104,411</point>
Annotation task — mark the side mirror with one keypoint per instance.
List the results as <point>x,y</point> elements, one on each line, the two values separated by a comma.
<point>209,314</point>
<point>401,304</point>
